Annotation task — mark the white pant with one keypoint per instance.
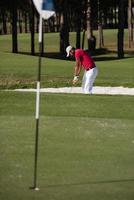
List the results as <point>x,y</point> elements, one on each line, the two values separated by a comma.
<point>88,80</point>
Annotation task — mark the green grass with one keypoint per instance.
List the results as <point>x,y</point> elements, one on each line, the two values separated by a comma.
<point>86,143</point>
<point>51,41</point>
<point>85,147</point>
<point>20,70</point>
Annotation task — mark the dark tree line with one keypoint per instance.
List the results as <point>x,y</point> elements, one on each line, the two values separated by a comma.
<point>17,16</point>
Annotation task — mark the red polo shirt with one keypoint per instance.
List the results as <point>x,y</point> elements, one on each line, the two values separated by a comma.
<point>85,59</point>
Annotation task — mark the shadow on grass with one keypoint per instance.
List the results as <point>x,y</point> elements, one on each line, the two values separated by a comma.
<point>52,55</point>
<point>91,183</point>
<point>98,55</point>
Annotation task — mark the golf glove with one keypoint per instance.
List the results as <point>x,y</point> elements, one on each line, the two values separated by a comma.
<point>76,78</point>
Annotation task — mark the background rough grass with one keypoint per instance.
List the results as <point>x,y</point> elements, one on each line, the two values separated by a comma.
<point>20,70</point>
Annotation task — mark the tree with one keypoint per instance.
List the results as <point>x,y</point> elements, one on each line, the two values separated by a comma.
<point>4,21</point>
<point>100,29</point>
<point>121,20</point>
<point>78,22</point>
<point>91,40</point>
<point>89,28</point>
<point>14,26</point>
<point>130,26</point>
<point>32,22</point>
<point>64,28</point>
<point>3,17</point>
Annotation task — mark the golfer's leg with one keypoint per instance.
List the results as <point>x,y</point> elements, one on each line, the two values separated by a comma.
<point>86,82</point>
<point>92,77</point>
<point>83,82</point>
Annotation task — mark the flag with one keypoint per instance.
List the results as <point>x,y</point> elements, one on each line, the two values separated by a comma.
<point>45,8</point>
<point>47,5</point>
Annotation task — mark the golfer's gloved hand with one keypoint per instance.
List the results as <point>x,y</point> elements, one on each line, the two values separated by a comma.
<point>75,79</point>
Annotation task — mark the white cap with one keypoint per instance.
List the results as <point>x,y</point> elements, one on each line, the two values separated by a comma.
<point>68,49</point>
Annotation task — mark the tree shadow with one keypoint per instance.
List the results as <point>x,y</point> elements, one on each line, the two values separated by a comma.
<point>104,54</point>
<point>52,55</point>
<point>98,55</point>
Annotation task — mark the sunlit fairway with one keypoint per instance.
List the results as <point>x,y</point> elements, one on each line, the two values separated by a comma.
<point>86,147</point>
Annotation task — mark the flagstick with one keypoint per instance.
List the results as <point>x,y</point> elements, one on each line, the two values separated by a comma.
<point>37,106</point>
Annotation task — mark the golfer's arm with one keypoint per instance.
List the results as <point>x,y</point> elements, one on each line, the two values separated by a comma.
<point>77,68</point>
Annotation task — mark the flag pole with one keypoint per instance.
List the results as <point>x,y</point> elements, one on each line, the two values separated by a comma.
<point>35,187</point>
<point>46,9</point>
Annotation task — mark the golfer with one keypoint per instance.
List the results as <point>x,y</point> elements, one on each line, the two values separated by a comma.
<point>83,60</point>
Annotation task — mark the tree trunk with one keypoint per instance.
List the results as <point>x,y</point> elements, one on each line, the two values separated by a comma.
<point>83,39</point>
<point>37,23</point>
<point>91,40</point>
<point>89,29</point>
<point>66,26</point>
<point>32,20</point>
<point>14,28</point>
<point>61,34</point>
<point>105,18</point>
<point>115,12</point>
<point>130,28</point>
<point>20,20</point>
<point>100,36</point>
<point>78,26</point>
<point>100,29</point>
<point>121,19</point>
<point>26,22</point>
<point>78,36</point>
<point>64,29</point>
<point>3,13</point>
